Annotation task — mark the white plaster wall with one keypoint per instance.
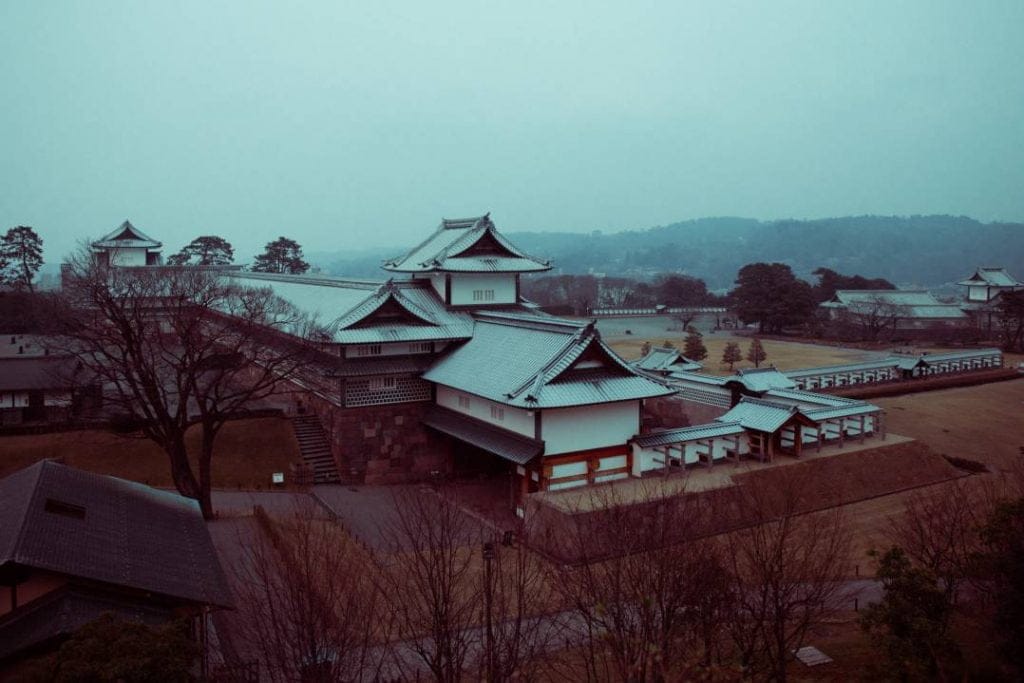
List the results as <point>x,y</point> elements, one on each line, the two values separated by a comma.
<point>977,293</point>
<point>516,419</point>
<point>128,257</point>
<point>463,284</point>
<point>569,469</point>
<point>565,430</point>
<point>437,282</point>
<point>645,460</point>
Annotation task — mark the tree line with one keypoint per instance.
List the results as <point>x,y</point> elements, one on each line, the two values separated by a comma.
<point>283,255</point>
<point>579,294</point>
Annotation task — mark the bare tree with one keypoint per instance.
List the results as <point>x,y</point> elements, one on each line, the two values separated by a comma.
<point>307,601</point>
<point>430,584</point>
<point>787,572</point>
<point>873,316</point>
<point>516,597</point>
<point>176,348</point>
<point>648,602</point>
<point>939,530</point>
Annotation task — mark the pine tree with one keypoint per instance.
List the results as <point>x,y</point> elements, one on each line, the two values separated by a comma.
<point>756,353</point>
<point>207,250</point>
<point>732,353</point>
<point>281,256</point>
<point>693,347</point>
<point>645,348</point>
<point>21,255</point>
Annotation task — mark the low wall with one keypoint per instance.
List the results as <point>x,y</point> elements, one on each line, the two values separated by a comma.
<point>817,484</point>
<point>931,383</point>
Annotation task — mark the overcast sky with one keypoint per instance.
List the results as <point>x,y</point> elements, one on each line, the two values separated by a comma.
<point>361,124</point>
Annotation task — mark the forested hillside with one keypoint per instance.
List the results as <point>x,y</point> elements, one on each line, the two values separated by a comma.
<point>923,250</point>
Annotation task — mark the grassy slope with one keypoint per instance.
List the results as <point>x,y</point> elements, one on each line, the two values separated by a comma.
<point>248,451</point>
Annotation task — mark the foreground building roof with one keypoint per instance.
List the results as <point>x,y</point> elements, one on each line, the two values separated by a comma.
<point>126,236</point>
<point>466,245</point>
<point>538,362</point>
<point>68,521</point>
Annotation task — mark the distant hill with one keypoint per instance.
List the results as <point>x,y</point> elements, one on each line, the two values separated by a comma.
<point>921,250</point>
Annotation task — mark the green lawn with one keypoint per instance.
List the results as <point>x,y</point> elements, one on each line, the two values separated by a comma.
<point>247,452</point>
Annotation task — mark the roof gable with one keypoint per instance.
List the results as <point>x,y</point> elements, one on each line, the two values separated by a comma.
<point>127,235</point>
<point>764,416</point>
<point>466,245</point>
<point>993,277</point>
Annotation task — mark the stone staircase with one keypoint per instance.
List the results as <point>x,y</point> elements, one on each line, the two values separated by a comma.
<point>315,449</point>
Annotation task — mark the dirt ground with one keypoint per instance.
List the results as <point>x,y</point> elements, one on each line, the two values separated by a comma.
<point>248,452</point>
<point>984,422</point>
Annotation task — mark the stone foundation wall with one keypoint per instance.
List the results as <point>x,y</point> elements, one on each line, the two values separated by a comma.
<point>385,444</point>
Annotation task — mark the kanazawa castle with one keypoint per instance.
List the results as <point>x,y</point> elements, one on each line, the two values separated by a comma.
<point>444,367</point>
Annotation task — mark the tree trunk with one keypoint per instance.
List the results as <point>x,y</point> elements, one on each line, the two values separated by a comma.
<point>205,467</point>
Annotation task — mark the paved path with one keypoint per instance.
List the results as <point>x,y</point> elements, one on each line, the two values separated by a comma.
<point>236,503</point>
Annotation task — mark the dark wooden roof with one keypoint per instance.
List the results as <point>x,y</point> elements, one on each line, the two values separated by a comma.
<point>64,520</point>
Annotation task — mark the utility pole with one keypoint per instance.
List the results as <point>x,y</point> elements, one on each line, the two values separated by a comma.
<point>489,555</point>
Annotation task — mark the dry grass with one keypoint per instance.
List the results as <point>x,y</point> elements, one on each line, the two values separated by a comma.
<point>981,423</point>
<point>784,355</point>
<point>248,451</point>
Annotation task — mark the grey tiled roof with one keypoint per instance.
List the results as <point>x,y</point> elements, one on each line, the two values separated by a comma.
<point>528,361</point>
<point>432,320</point>
<point>994,277</point>
<point>693,433</point>
<point>344,308</point>
<point>698,378</point>
<point>501,442</point>
<point>905,303</point>
<point>812,398</point>
<point>449,249</point>
<point>664,359</point>
<point>763,416</point>
<point>762,379</point>
<point>827,413</point>
<point>960,355</point>
<point>128,535</point>
<point>126,236</point>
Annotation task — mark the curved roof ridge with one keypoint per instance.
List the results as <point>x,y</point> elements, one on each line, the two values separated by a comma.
<point>389,291</point>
